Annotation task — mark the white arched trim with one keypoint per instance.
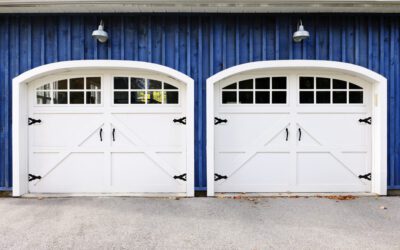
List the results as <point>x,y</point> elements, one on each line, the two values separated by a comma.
<point>379,109</point>
<point>20,110</point>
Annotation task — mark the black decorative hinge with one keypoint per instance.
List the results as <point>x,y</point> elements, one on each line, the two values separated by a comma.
<point>218,177</point>
<point>180,177</point>
<point>219,120</point>
<point>365,176</point>
<point>33,121</point>
<point>32,177</point>
<point>181,120</point>
<point>366,120</point>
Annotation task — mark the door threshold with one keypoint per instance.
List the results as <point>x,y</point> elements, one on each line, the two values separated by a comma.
<point>292,195</point>
<point>139,195</point>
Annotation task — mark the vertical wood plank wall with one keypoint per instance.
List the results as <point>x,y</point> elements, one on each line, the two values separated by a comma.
<point>199,45</point>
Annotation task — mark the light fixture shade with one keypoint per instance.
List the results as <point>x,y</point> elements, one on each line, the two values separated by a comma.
<point>300,34</point>
<point>100,34</point>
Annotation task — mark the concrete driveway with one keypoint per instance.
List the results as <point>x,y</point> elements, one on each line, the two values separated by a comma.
<point>199,223</point>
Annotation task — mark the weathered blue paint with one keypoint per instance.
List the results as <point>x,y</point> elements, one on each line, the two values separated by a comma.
<point>200,46</point>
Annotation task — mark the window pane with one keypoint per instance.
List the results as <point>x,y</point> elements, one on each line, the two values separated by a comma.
<point>246,96</point>
<point>137,83</point>
<point>262,83</point>
<point>355,97</point>
<point>62,84</point>
<point>120,82</point>
<point>43,97</point>
<point>323,96</point>
<point>76,83</point>
<point>306,82</point>
<point>231,86</point>
<point>279,82</point>
<point>154,97</point>
<point>121,97</point>
<point>154,84</point>
<point>76,98</point>
<point>339,97</point>
<point>229,97</point>
<point>60,97</point>
<point>44,87</point>
<point>339,84</point>
<point>306,97</point>
<point>246,84</point>
<point>279,97</point>
<point>262,97</point>
<point>93,97</point>
<point>169,86</point>
<point>354,86</point>
<point>171,97</point>
<point>323,83</point>
<point>138,97</point>
<point>93,83</point>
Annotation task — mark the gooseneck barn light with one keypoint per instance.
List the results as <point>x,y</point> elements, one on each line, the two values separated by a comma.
<point>100,34</point>
<point>300,34</point>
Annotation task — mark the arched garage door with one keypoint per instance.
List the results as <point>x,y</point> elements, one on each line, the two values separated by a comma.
<point>288,130</point>
<point>108,131</point>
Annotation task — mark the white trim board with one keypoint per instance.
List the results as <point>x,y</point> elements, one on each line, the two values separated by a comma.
<point>20,110</point>
<point>379,109</point>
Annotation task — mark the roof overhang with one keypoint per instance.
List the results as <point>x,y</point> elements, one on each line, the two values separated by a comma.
<point>199,6</point>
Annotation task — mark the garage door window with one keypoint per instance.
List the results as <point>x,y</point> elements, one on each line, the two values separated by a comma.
<point>321,90</point>
<point>80,90</point>
<point>263,90</point>
<point>133,90</point>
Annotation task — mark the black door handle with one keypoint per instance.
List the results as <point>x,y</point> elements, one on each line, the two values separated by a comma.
<point>287,134</point>
<point>299,134</point>
<point>101,134</point>
<point>113,134</point>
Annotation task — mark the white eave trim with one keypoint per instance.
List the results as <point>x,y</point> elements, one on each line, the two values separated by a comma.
<point>199,6</point>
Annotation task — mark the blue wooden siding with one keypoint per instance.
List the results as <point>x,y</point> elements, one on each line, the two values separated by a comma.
<point>199,46</point>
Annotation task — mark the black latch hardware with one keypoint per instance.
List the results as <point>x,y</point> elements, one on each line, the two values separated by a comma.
<point>33,121</point>
<point>181,120</point>
<point>366,120</point>
<point>181,177</point>
<point>365,176</point>
<point>218,177</point>
<point>219,120</point>
<point>32,177</point>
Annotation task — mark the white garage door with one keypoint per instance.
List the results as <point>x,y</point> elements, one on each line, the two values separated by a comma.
<point>290,132</point>
<point>107,132</point>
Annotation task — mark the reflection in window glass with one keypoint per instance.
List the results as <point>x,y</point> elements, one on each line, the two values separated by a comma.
<point>339,84</point>
<point>306,82</point>
<point>339,97</point>
<point>154,84</point>
<point>279,82</point>
<point>231,86</point>
<point>121,97</point>
<point>62,84</point>
<point>262,97</point>
<point>154,97</point>
<point>229,97</point>
<point>76,98</point>
<point>137,83</point>
<point>93,83</point>
<point>171,97</point>
<point>246,84</point>
<point>355,97</point>
<point>93,97</point>
<point>76,83</point>
<point>169,86</point>
<point>306,97</point>
<point>44,87</point>
<point>262,83</point>
<point>323,96</point>
<point>323,83</point>
<point>60,97</point>
<point>138,97</point>
<point>43,97</point>
<point>121,83</point>
<point>246,97</point>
